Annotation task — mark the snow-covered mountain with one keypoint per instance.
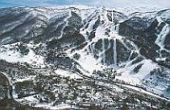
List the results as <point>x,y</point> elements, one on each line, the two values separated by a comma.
<point>55,57</point>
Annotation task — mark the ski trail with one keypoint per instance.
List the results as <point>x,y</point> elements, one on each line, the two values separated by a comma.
<point>65,21</point>
<point>162,36</point>
<point>115,53</point>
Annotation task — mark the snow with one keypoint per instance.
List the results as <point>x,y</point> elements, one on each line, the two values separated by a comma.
<point>115,52</point>
<point>162,35</point>
<point>81,7</point>
<point>58,107</point>
<point>114,87</point>
<point>66,24</point>
<point>165,15</point>
<point>65,73</point>
<point>10,54</point>
<point>154,84</point>
<point>130,77</point>
<point>85,13</point>
<point>25,79</point>
<point>157,84</point>
<point>87,60</point>
<point>92,17</point>
<point>29,99</point>
<point>145,92</point>
<point>131,10</point>
<point>100,33</point>
<point>160,59</point>
<point>35,102</point>
<point>89,29</point>
<point>12,25</point>
<point>89,63</point>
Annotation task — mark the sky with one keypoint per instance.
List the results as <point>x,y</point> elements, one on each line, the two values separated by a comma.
<point>106,3</point>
